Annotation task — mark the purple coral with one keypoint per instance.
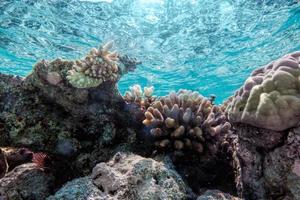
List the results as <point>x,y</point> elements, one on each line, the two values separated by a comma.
<point>185,121</point>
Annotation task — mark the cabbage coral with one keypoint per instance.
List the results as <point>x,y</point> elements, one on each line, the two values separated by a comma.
<point>185,121</point>
<point>99,66</point>
<point>270,97</point>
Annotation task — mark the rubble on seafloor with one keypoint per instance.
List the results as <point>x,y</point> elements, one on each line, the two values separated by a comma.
<point>67,133</point>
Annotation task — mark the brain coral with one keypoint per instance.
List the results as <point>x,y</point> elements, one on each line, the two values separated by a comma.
<point>270,97</point>
<point>98,66</point>
<point>185,121</point>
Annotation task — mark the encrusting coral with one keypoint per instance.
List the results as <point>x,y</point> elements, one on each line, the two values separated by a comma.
<point>185,120</point>
<point>99,66</point>
<point>143,98</point>
<point>270,97</point>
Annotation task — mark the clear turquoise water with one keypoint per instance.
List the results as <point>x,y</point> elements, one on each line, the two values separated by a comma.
<point>204,45</point>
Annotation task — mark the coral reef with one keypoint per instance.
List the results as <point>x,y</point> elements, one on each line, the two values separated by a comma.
<point>186,120</point>
<point>45,113</point>
<point>270,96</point>
<point>72,112</point>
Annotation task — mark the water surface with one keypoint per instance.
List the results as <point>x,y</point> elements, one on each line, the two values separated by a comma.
<point>203,45</point>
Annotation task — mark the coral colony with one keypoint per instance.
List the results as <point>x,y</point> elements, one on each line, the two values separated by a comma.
<point>185,120</point>
<point>270,96</point>
<point>72,111</point>
<point>98,66</point>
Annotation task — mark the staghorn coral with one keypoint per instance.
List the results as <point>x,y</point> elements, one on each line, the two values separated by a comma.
<point>143,98</point>
<point>270,97</point>
<point>99,66</point>
<point>185,120</point>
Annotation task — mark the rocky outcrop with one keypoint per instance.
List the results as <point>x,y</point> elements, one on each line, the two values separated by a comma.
<point>45,112</point>
<point>26,182</point>
<point>267,163</point>
<point>127,177</point>
<point>216,195</point>
<point>81,188</point>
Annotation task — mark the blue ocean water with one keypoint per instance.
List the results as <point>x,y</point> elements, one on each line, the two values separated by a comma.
<point>203,45</point>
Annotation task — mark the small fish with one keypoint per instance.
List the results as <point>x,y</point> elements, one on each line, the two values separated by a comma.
<point>40,159</point>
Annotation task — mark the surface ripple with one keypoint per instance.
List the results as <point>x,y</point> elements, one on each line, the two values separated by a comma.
<point>208,46</point>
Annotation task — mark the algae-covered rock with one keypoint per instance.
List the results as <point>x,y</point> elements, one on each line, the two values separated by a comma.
<point>126,177</point>
<point>216,195</point>
<point>81,188</point>
<point>267,163</point>
<point>281,168</point>
<point>135,177</point>
<point>26,182</point>
<point>270,97</point>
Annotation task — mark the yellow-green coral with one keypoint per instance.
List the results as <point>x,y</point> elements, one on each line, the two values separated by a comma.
<point>270,97</point>
<point>80,80</point>
<point>99,66</point>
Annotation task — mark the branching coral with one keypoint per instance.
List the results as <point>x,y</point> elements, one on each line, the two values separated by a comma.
<point>138,96</point>
<point>185,121</point>
<point>270,97</point>
<point>99,66</point>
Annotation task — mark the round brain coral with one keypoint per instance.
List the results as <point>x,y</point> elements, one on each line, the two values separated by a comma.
<point>270,97</point>
<point>185,121</point>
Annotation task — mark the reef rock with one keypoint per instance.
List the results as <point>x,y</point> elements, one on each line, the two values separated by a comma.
<point>82,86</point>
<point>135,177</point>
<point>81,188</point>
<point>267,163</point>
<point>12,157</point>
<point>216,195</point>
<point>26,182</point>
<point>127,177</point>
<point>270,96</point>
